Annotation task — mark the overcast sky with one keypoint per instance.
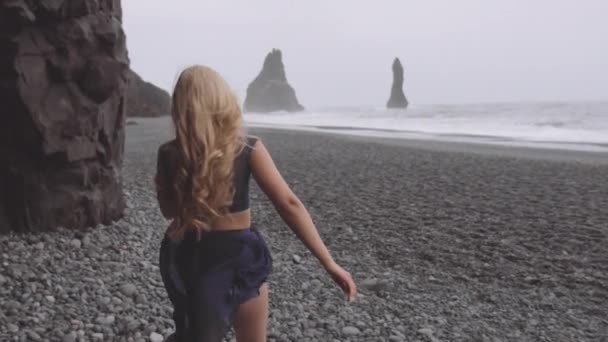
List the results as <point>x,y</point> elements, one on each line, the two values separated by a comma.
<point>339,52</point>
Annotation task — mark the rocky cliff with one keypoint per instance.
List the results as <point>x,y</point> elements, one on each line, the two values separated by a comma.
<point>63,71</point>
<point>144,99</point>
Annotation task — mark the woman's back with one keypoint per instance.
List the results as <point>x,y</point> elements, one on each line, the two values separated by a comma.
<point>238,214</point>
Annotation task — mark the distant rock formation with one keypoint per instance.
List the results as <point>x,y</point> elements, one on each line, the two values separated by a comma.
<point>270,92</point>
<point>63,72</point>
<point>397,99</point>
<point>144,99</point>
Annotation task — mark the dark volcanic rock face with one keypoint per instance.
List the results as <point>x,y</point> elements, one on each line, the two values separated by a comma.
<point>63,70</point>
<point>270,92</point>
<point>144,99</point>
<point>397,99</point>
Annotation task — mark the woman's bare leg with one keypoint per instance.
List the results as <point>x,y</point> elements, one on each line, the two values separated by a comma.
<point>251,318</point>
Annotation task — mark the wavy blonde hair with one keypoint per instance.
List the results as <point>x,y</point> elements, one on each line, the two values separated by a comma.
<point>208,129</point>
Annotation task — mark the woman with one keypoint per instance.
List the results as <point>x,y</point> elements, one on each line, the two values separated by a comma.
<point>213,266</point>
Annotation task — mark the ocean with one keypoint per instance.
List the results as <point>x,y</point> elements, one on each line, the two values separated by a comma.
<point>572,126</point>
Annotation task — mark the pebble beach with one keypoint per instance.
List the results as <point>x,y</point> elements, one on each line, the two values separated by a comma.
<point>447,242</point>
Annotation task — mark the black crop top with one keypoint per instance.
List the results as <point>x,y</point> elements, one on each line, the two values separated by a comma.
<point>166,167</point>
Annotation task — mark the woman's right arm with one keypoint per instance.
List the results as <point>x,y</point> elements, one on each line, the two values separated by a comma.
<point>293,212</point>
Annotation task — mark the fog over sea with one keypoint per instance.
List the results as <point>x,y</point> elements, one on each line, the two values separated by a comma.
<point>573,126</point>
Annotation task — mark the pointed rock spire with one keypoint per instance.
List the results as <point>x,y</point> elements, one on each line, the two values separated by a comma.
<point>397,99</point>
<point>270,91</point>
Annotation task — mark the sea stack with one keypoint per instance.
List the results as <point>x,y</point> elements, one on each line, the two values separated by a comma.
<point>144,99</point>
<point>269,91</point>
<point>397,99</point>
<point>62,94</point>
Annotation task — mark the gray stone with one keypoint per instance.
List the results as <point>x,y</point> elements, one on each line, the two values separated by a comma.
<point>128,289</point>
<point>76,243</point>
<point>350,330</point>
<point>297,259</point>
<point>150,328</point>
<point>156,337</point>
<point>107,320</point>
<point>32,335</point>
<point>133,325</point>
<point>374,284</point>
<point>70,337</point>
<point>369,283</point>
<point>86,241</point>
<point>428,333</point>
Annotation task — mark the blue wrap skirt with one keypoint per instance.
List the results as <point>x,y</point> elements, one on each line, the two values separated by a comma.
<point>207,280</point>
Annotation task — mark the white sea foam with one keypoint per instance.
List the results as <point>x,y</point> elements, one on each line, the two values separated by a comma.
<point>578,126</point>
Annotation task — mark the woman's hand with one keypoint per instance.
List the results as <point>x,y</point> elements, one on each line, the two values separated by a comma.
<point>343,279</point>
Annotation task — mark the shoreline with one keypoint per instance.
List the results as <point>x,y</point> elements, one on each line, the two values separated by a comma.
<point>161,125</point>
<point>481,148</point>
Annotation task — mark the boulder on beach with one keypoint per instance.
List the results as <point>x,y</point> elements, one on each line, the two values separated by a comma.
<point>270,91</point>
<point>397,99</point>
<point>144,99</point>
<point>62,92</point>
